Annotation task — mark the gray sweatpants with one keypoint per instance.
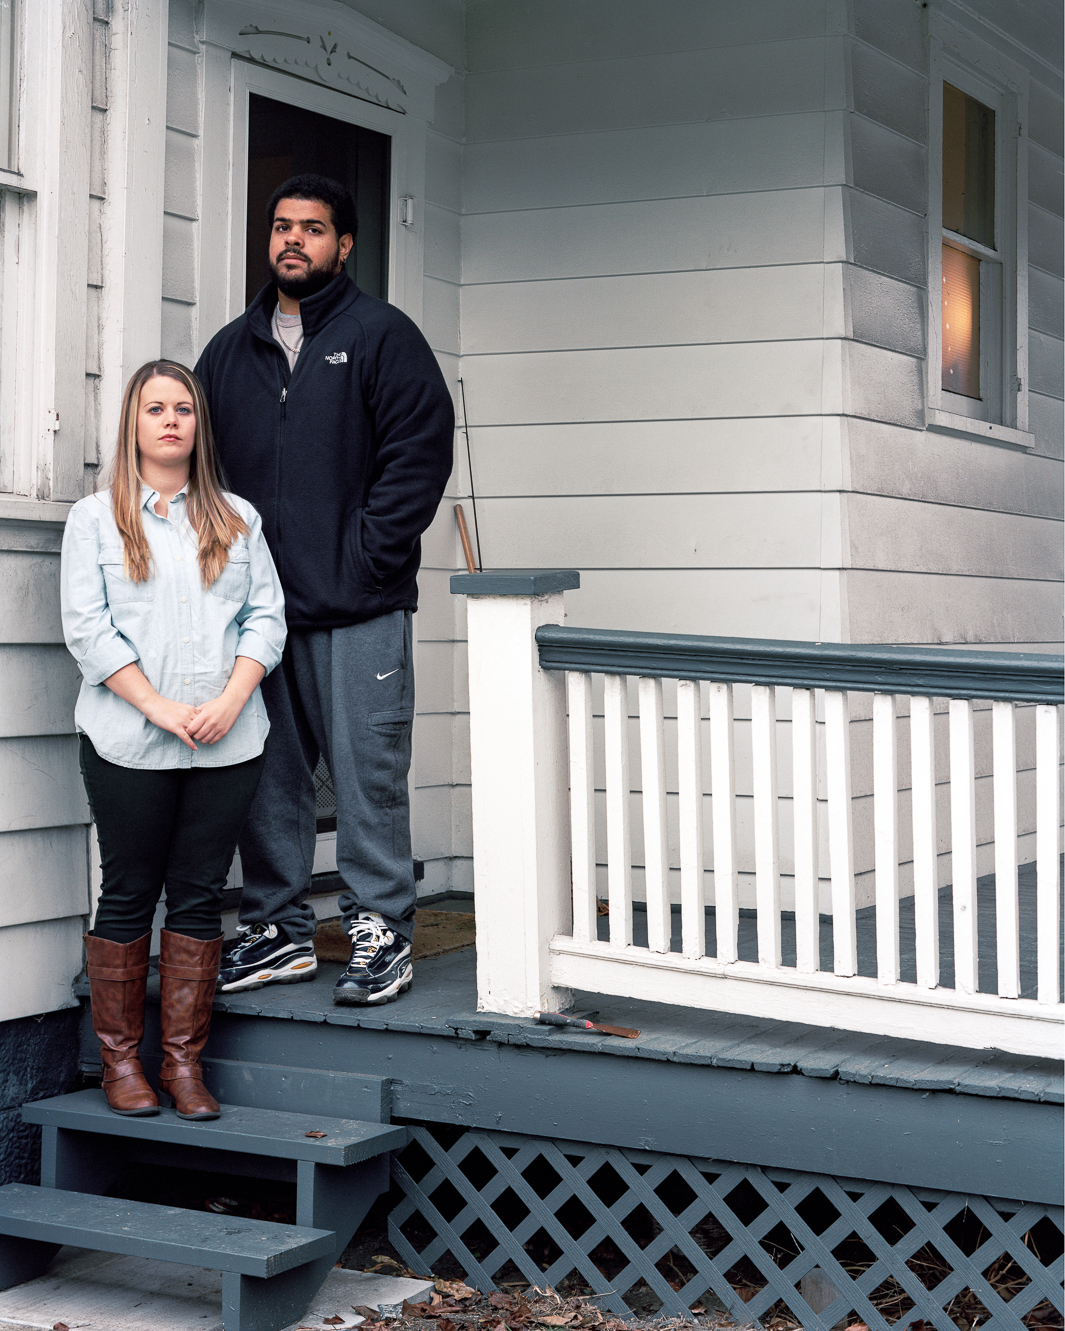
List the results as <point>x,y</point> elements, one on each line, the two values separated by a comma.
<point>347,694</point>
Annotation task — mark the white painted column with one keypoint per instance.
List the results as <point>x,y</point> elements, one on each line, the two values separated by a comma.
<point>518,756</point>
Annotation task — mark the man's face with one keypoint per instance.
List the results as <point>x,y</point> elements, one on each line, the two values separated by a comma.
<point>305,251</point>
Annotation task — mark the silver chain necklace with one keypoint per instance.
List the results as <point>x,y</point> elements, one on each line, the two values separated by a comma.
<point>295,350</point>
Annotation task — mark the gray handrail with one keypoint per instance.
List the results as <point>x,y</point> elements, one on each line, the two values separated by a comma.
<point>1029,677</point>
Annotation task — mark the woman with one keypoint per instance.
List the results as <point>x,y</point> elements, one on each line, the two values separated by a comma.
<point>173,611</point>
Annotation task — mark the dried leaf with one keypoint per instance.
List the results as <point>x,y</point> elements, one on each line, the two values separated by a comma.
<point>332,1321</point>
<point>371,1314</point>
<point>556,1321</point>
<point>414,1309</point>
<point>455,1289</point>
<point>499,1300</point>
<point>446,1324</point>
<point>60,1326</point>
<point>316,1134</point>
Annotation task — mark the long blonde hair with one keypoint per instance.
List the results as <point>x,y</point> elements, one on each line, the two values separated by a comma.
<point>210,514</point>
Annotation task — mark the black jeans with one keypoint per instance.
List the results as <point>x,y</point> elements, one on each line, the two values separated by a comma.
<point>176,828</point>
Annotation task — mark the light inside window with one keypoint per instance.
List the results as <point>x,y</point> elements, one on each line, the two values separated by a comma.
<point>961,322</point>
<point>968,167</point>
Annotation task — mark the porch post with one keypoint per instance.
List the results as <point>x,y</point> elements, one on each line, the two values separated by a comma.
<point>519,772</point>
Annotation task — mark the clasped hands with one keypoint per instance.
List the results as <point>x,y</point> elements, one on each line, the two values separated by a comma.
<point>208,722</point>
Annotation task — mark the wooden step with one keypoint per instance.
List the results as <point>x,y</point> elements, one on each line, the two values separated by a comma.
<point>270,1272</point>
<point>140,1229</point>
<point>267,1132</point>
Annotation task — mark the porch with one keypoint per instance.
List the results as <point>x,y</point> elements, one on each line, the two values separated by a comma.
<point>618,1164</point>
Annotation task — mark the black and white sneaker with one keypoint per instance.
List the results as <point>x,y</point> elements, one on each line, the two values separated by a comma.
<point>262,954</point>
<point>380,968</point>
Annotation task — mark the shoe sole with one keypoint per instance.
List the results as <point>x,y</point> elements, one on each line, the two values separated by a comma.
<point>355,998</point>
<point>266,975</point>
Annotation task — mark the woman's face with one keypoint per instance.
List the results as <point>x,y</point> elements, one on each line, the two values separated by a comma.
<point>166,423</point>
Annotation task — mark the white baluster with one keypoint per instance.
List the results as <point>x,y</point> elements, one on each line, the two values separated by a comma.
<point>886,837</point>
<point>619,847</point>
<point>655,843</point>
<point>723,782</point>
<point>582,805</point>
<point>1047,846</point>
<point>1007,905</point>
<point>766,829</point>
<point>840,835</point>
<point>690,774</point>
<point>925,865</point>
<point>804,815</point>
<point>963,845</point>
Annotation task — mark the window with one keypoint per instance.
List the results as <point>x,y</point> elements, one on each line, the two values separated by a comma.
<point>977,339</point>
<point>968,237</point>
<point>8,84</point>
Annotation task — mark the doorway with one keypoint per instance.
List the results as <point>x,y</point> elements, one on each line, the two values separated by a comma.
<point>286,140</point>
<point>283,141</point>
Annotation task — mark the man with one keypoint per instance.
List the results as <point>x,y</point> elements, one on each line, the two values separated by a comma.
<point>331,415</point>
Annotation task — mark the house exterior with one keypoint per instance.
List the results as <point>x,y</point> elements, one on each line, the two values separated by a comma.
<point>688,261</point>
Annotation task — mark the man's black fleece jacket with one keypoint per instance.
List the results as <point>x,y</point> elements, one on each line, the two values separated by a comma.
<point>345,459</point>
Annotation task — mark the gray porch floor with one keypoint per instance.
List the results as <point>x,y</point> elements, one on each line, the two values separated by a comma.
<point>443,1003</point>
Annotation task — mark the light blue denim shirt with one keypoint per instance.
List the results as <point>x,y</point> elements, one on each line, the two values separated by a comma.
<point>184,637</point>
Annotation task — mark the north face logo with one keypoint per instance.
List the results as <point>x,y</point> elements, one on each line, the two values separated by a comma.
<point>337,358</point>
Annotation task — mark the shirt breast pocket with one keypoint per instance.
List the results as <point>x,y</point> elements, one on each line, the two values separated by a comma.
<point>119,587</point>
<point>234,582</point>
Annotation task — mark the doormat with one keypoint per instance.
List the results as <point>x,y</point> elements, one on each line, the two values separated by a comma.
<point>436,932</point>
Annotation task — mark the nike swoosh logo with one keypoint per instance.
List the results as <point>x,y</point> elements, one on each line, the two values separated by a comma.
<point>391,672</point>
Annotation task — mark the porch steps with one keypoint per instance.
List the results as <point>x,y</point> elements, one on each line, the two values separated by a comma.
<point>270,1271</point>
<point>46,1218</point>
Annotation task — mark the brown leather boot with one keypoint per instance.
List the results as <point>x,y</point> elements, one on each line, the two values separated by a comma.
<point>118,975</point>
<point>188,969</point>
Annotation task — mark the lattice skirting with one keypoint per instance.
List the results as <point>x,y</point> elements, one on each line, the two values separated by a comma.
<point>582,1217</point>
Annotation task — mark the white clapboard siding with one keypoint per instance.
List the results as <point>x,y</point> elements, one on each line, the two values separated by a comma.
<point>630,383</point>
<point>40,784</point>
<point>39,961</point>
<point>39,686</point>
<point>703,232</point>
<point>647,457</point>
<point>29,597</point>
<point>952,540</point>
<point>654,162</point>
<point>671,88</point>
<point>44,874</point>
<point>724,305</point>
<point>604,531</point>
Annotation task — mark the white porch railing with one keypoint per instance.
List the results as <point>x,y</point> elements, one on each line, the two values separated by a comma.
<point>748,812</point>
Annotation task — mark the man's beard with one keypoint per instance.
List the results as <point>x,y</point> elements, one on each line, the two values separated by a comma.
<point>307,281</point>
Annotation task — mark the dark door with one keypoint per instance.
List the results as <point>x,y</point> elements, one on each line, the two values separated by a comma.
<point>286,140</point>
